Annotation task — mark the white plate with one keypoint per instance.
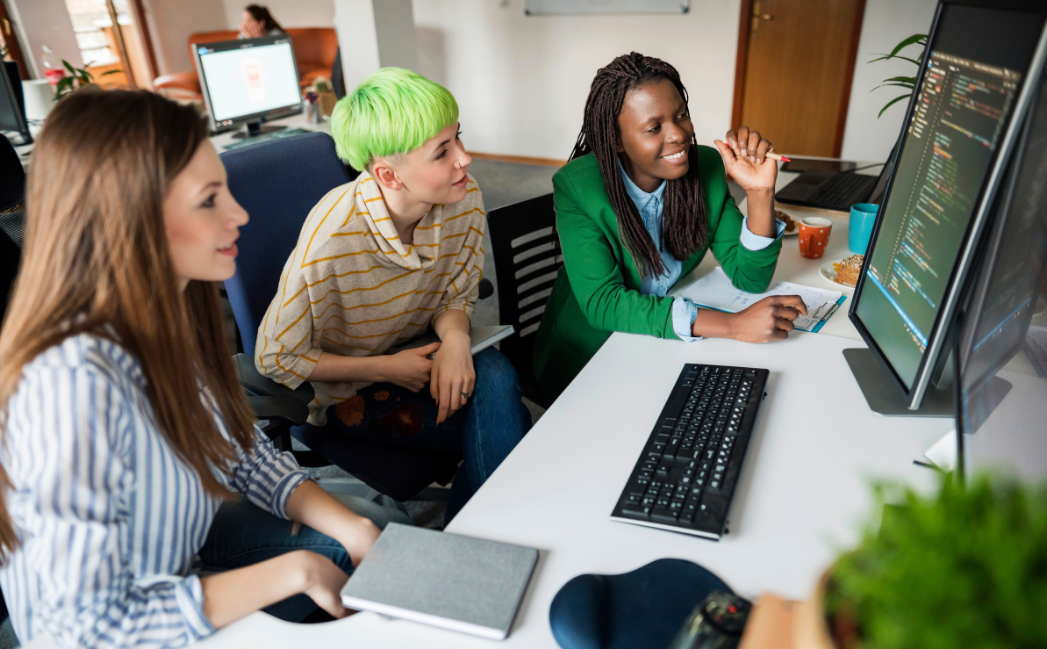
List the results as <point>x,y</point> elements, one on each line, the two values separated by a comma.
<point>828,272</point>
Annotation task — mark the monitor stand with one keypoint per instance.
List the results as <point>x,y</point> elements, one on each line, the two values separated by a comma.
<point>254,129</point>
<point>886,398</point>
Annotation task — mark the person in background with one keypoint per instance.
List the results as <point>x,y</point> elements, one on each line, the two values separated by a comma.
<point>637,207</point>
<point>256,21</point>
<point>378,262</point>
<point>128,446</point>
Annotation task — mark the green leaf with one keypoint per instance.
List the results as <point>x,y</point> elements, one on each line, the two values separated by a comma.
<point>64,87</point>
<point>908,80</point>
<point>106,74</point>
<point>891,103</point>
<point>912,40</point>
<point>904,58</point>
<point>69,67</point>
<point>908,86</point>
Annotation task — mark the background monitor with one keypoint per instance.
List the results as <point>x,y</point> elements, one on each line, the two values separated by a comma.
<point>248,81</point>
<point>12,104</point>
<point>957,132</point>
<point>1002,404</point>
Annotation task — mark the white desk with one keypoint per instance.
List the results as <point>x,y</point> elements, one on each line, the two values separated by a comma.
<point>219,141</point>
<point>802,494</point>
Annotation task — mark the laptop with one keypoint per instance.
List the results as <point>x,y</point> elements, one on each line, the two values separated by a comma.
<point>836,190</point>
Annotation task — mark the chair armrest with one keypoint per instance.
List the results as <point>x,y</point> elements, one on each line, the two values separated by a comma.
<point>259,385</point>
<point>289,408</point>
<point>180,80</point>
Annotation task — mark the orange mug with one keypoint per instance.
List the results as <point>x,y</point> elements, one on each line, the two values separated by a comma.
<point>814,236</point>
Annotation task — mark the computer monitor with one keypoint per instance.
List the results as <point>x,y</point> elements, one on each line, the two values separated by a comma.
<point>12,105</point>
<point>959,132</point>
<point>1002,391</point>
<point>249,81</point>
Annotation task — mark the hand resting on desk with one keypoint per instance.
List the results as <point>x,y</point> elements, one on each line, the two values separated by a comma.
<point>769,319</point>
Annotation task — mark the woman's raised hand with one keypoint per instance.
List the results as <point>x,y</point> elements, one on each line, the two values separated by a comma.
<point>745,159</point>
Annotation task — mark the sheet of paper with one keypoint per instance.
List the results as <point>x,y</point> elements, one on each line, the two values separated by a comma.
<point>1036,349</point>
<point>715,291</point>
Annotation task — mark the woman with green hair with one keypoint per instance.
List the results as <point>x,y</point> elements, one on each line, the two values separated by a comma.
<point>637,207</point>
<point>378,262</point>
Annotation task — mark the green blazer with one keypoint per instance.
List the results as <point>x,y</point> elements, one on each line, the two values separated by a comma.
<point>597,291</point>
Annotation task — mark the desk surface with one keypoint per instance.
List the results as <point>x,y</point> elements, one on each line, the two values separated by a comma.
<point>802,495</point>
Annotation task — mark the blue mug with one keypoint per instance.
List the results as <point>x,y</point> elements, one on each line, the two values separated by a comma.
<point>863,217</point>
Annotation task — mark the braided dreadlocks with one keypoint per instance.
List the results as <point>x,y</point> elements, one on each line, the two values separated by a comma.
<point>684,223</point>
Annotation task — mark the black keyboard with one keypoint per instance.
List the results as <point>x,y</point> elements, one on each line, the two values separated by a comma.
<point>843,190</point>
<point>686,475</point>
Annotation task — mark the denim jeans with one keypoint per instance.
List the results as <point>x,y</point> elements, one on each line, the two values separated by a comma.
<point>242,534</point>
<point>486,429</point>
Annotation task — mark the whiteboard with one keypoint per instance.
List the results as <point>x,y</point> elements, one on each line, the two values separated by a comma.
<point>569,7</point>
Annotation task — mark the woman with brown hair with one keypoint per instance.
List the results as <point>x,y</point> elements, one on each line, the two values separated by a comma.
<point>637,207</point>
<point>256,21</point>
<point>125,433</point>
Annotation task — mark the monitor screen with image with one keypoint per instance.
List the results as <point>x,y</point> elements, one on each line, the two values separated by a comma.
<point>249,80</point>
<point>954,139</point>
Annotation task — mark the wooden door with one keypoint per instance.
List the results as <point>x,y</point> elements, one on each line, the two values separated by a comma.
<point>795,65</point>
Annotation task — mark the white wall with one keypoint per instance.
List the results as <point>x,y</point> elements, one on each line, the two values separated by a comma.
<point>521,81</point>
<point>289,13</point>
<point>170,24</point>
<point>45,22</point>
<point>887,22</point>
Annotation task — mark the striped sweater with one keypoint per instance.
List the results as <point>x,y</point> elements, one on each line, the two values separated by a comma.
<point>352,288</point>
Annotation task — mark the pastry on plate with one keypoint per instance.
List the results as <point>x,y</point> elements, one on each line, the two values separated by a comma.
<point>790,225</point>
<point>848,269</point>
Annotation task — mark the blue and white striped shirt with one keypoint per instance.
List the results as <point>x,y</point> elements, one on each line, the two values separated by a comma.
<point>108,516</point>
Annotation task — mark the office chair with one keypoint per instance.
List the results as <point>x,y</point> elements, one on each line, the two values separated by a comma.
<point>527,257</point>
<point>12,193</point>
<point>278,183</point>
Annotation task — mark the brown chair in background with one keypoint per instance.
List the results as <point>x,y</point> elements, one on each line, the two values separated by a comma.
<point>314,52</point>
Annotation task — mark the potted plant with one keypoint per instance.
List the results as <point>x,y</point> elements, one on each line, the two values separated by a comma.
<point>326,99</point>
<point>80,78</point>
<point>909,83</point>
<point>965,567</point>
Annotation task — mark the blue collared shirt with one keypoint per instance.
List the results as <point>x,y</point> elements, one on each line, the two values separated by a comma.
<point>650,207</point>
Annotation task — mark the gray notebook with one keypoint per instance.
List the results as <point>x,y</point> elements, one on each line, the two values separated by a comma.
<point>446,580</point>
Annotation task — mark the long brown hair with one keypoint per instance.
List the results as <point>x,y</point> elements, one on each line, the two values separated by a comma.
<point>262,15</point>
<point>96,261</point>
<point>685,222</point>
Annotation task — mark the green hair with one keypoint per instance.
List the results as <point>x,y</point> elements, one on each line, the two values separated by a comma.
<point>392,111</point>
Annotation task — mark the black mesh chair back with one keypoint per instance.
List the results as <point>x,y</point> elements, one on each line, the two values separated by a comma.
<point>12,192</point>
<point>527,257</point>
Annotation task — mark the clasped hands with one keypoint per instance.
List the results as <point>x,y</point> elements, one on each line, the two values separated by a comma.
<point>450,373</point>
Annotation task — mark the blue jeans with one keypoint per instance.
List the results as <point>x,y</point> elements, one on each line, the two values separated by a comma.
<point>485,430</point>
<point>242,534</point>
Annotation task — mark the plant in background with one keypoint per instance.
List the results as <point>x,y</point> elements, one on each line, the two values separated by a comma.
<point>908,83</point>
<point>966,567</point>
<point>80,78</point>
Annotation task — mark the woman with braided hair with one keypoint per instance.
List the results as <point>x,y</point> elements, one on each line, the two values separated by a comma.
<point>637,208</point>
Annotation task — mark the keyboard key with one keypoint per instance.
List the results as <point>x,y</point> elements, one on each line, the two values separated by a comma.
<point>664,515</point>
<point>636,511</point>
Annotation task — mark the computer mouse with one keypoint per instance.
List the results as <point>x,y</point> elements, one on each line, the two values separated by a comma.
<point>641,609</point>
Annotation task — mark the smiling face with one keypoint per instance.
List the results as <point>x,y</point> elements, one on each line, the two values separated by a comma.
<point>655,133</point>
<point>436,171</point>
<point>202,220</point>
